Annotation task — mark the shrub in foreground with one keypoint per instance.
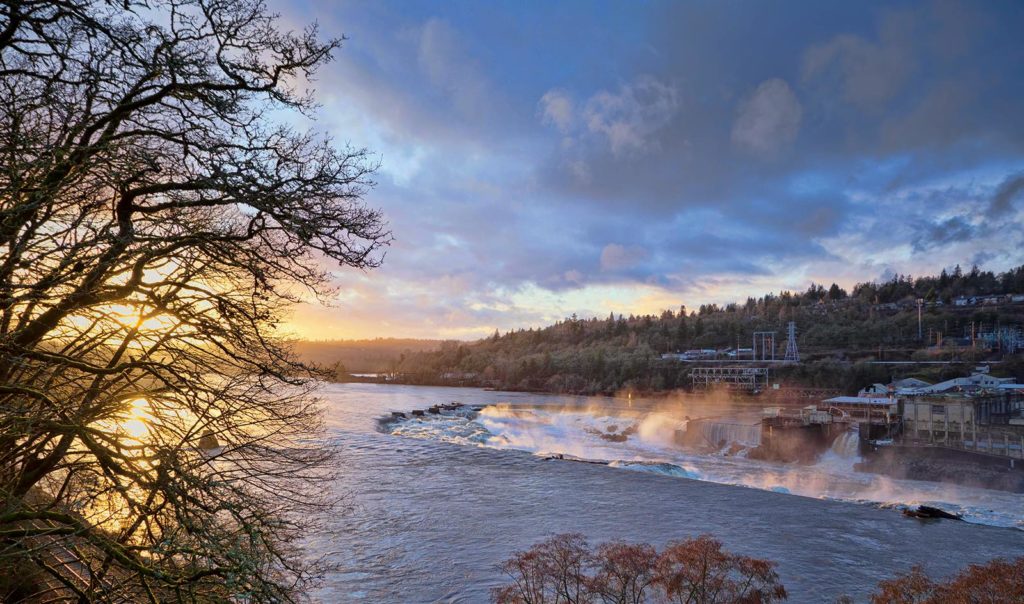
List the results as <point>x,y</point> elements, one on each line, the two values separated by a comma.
<point>564,570</point>
<point>996,582</point>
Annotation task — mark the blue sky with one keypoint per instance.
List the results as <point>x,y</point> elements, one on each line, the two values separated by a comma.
<point>540,158</point>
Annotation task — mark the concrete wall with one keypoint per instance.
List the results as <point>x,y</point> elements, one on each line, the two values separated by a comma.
<point>922,416</point>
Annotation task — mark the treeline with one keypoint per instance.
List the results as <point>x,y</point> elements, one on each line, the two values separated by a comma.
<point>361,356</point>
<point>945,288</point>
<point>835,330</point>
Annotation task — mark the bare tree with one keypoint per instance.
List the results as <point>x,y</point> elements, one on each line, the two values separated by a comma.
<point>625,572</point>
<point>699,571</point>
<point>551,572</point>
<point>157,440</point>
<point>562,570</point>
<point>995,582</point>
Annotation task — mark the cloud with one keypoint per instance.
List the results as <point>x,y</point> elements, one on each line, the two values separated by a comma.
<point>557,109</point>
<point>769,120</point>
<point>573,276</point>
<point>450,67</point>
<point>631,116</point>
<point>522,189</point>
<point>615,257</point>
<point>867,72</point>
<point>945,232</point>
<point>1009,189</point>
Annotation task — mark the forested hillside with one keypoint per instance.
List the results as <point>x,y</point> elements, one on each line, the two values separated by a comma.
<point>361,356</point>
<point>836,330</point>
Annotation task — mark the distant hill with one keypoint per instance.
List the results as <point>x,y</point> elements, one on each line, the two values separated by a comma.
<point>964,318</point>
<point>363,356</point>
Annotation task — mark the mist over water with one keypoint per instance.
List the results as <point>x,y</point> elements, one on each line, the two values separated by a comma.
<point>718,437</point>
<point>426,520</point>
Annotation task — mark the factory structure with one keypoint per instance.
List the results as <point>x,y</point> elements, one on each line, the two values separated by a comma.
<point>980,413</point>
<point>976,416</point>
<point>967,430</point>
<point>738,368</point>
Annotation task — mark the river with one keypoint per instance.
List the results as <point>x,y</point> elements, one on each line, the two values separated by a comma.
<point>433,505</point>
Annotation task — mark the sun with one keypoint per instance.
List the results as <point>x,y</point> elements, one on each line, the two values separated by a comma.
<point>137,424</point>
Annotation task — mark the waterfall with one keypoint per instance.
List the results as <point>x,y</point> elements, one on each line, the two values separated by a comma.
<point>846,445</point>
<point>844,454</point>
<point>720,433</point>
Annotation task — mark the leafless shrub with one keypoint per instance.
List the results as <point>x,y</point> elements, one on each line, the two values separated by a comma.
<point>550,572</point>
<point>694,571</point>
<point>624,573</point>
<point>996,582</point>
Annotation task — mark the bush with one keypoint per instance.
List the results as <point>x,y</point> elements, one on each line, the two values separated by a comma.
<point>564,570</point>
<point>997,582</point>
<point>550,572</point>
<point>698,571</point>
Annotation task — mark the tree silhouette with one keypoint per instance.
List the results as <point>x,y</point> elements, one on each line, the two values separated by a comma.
<point>154,222</point>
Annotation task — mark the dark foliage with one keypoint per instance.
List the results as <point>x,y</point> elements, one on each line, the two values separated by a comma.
<point>157,439</point>
<point>835,330</point>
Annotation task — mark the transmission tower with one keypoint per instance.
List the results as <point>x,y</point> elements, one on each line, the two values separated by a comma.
<point>792,354</point>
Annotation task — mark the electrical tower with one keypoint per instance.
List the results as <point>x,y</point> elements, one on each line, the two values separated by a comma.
<point>920,303</point>
<point>792,354</point>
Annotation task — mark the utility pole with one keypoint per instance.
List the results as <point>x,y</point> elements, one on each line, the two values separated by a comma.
<point>920,304</point>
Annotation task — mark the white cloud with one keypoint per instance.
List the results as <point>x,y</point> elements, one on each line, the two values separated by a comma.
<point>557,109</point>
<point>769,120</point>
<point>631,116</point>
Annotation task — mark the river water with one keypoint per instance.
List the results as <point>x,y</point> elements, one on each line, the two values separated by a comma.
<point>434,504</point>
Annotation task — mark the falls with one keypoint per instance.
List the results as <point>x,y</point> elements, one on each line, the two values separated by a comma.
<point>722,433</point>
<point>842,456</point>
<point>711,448</point>
<point>846,446</point>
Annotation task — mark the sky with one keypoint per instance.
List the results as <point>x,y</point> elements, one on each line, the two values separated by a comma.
<point>539,159</point>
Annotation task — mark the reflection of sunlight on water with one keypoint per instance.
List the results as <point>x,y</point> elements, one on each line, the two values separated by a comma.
<point>140,429</point>
<point>139,418</point>
<point>650,445</point>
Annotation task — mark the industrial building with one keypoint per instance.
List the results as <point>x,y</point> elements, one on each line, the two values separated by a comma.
<point>979,380</point>
<point>979,413</point>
